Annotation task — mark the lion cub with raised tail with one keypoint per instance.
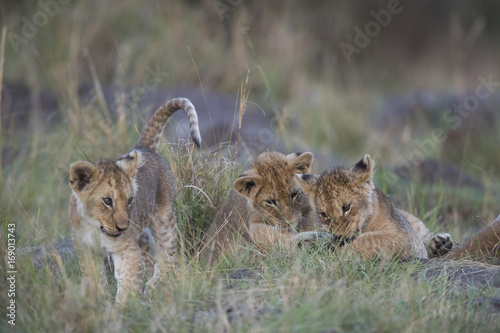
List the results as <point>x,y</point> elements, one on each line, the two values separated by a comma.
<point>355,211</point>
<point>265,208</point>
<point>113,201</point>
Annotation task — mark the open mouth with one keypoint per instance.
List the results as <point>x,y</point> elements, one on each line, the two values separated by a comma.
<point>108,234</point>
<point>341,240</point>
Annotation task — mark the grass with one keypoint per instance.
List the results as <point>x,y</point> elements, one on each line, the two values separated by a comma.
<point>287,290</point>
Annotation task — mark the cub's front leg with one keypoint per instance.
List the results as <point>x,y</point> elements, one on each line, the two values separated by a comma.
<point>128,269</point>
<point>265,235</point>
<point>91,266</point>
<point>385,245</point>
<point>313,239</point>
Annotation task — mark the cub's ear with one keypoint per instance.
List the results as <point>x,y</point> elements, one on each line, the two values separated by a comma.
<point>363,170</point>
<point>81,174</point>
<point>308,183</point>
<point>300,162</point>
<point>130,162</point>
<point>245,184</point>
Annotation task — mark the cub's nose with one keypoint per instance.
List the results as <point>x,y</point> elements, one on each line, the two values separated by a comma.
<point>123,226</point>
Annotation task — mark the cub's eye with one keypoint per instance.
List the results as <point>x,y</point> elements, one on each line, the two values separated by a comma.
<point>271,202</point>
<point>294,195</point>
<point>130,200</point>
<point>323,215</point>
<point>108,202</point>
<point>346,208</point>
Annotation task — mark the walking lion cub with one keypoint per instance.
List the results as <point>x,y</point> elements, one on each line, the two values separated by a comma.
<point>266,207</point>
<point>355,211</point>
<point>113,201</point>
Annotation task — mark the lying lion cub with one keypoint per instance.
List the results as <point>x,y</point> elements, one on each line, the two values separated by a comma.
<point>112,202</point>
<point>483,246</point>
<point>266,207</point>
<point>353,209</point>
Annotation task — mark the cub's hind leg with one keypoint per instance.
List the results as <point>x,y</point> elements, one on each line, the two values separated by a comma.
<point>147,245</point>
<point>439,245</point>
<point>435,244</point>
<point>419,228</point>
<point>165,235</point>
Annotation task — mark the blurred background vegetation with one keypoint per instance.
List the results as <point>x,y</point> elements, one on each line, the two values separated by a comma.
<point>386,100</point>
<point>399,97</point>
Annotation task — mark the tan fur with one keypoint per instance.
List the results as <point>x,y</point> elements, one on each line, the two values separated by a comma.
<point>348,204</point>
<point>112,202</point>
<point>484,245</point>
<point>266,207</point>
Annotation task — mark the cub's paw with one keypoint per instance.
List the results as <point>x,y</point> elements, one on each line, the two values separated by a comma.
<point>439,245</point>
<point>312,239</point>
<point>151,287</point>
<point>156,288</point>
<point>146,242</point>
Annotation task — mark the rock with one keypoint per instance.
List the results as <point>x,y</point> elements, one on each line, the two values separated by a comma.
<point>218,117</point>
<point>421,110</point>
<point>463,274</point>
<point>240,276</point>
<point>218,113</point>
<point>432,172</point>
<point>19,103</point>
<point>50,254</point>
<point>492,304</point>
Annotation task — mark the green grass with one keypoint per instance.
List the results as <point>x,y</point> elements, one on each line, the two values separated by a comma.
<point>289,290</point>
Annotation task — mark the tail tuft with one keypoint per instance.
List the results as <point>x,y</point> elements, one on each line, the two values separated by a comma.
<point>151,134</point>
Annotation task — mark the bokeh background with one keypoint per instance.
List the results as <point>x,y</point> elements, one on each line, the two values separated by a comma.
<point>413,83</point>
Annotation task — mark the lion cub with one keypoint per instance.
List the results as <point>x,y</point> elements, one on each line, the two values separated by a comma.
<point>112,202</point>
<point>484,245</point>
<point>353,209</point>
<point>266,207</point>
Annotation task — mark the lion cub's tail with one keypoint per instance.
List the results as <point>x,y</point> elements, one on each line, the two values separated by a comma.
<point>151,134</point>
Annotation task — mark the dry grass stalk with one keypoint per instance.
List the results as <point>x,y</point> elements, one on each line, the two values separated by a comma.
<point>2,61</point>
<point>242,96</point>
